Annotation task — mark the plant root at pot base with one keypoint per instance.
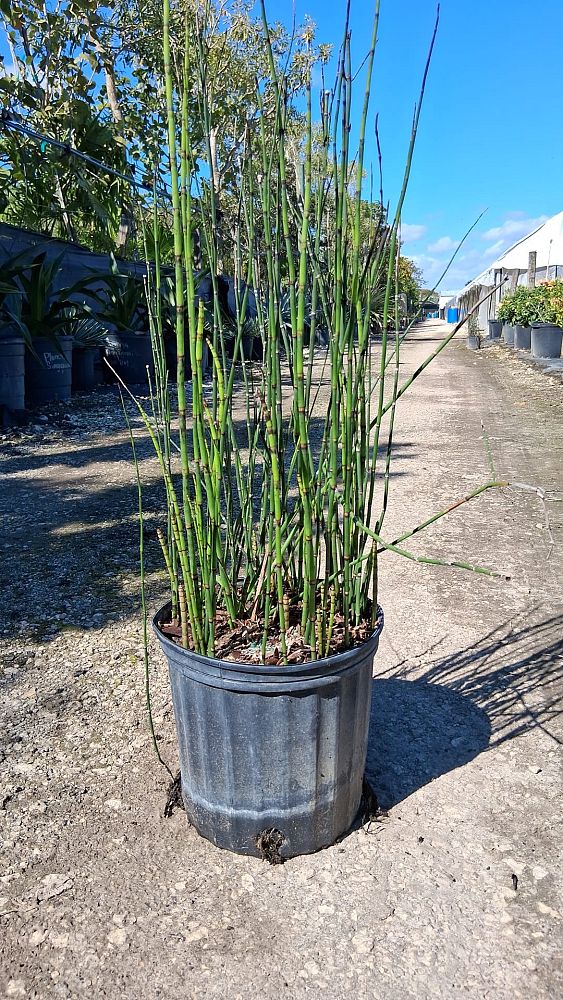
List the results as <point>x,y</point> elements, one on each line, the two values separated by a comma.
<point>269,843</point>
<point>174,798</point>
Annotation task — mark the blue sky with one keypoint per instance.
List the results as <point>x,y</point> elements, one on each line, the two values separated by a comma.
<point>491,134</point>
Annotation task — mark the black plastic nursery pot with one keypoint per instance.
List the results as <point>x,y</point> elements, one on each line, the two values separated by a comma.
<point>473,342</point>
<point>172,359</point>
<point>508,334</point>
<point>85,372</point>
<point>12,373</point>
<point>522,337</point>
<point>130,354</point>
<point>546,341</point>
<point>495,329</point>
<point>48,371</point>
<point>272,758</point>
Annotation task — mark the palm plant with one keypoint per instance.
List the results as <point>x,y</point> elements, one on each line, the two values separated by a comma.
<point>85,330</point>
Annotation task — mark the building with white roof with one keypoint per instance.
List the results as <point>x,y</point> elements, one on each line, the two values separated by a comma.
<point>546,242</point>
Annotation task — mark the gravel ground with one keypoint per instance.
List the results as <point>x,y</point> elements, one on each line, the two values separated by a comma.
<point>457,893</point>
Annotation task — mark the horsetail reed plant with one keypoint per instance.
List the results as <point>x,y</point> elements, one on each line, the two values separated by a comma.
<point>275,509</point>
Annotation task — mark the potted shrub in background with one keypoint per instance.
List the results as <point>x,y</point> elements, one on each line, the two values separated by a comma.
<point>547,324</point>
<point>168,318</point>
<point>506,315</point>
<point>276,496</point>
<point>88,341</point>
<point>473,335</point>
<point>120,304</point>
<point>39,313</point>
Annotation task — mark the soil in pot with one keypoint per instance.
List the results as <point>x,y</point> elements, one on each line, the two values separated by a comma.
<point>522,337</point>
<point>12,373</point>
<point>48,371</point>
<point>271,753</point>
<point>546,341</point>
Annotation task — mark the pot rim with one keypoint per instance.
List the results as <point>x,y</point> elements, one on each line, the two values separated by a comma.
<point>312,668</point>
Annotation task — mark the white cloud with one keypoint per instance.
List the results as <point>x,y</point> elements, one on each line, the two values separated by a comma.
<point>410,233</point>
<point>443,245</point>
<point>431,267</point>
<point>512,229</point>
<point>460,272</point>
<point>494,249</point>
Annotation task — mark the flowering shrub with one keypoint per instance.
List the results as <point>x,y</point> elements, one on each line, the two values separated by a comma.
<point>540,304</point>
<point>550,303</point>
<point>506,310</point>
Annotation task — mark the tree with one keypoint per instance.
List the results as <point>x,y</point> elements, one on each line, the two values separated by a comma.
<point>53,87</point>
<point>410,282</point>
<point>92,77</point>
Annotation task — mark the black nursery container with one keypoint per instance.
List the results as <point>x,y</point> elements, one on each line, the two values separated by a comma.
<point>12,369</point>
<point>546,340</point>
<point>495,329</point>
<point>271,755</point>
<point>84,368</point>
<point>48,371</point>
<point>522,337</point>
<point>130,354</point>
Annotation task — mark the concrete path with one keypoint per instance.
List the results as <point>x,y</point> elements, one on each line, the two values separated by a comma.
<point>456,894</point>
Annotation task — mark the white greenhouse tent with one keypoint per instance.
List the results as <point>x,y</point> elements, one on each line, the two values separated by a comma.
<point>546,242</point>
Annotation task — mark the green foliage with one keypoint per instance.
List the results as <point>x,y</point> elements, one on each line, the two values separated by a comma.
<point>542,303</point>
<point>41,308</point>
<point>53,87</point>
<point>121,302</point>
<point>86,331</point>
<point>549,303</point>
<point>93,76</point>
<point>506,311</point>
<point>274,507</point>
<point>410,282</point>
